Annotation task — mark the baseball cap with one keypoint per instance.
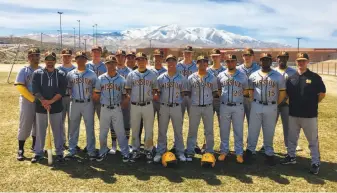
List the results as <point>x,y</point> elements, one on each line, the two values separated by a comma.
<point>130,53</point>
<point>248,51</point>
<point>50,56</point>
<point>141,55</point>
<point>302,56</point>
<point>171,57</point>
<point>283,54</point>
<point>110,59</point>
<point>215,52</point>
<point>120,52</point>
<point>265,55</point>
<point>67,51</point>
<point>230,57</point>
<point>199,58</point>
<point>158,52</point>
<point>81,54</point>
<point>188,49</point>
<point>96,47</point>
<point>34,51</point>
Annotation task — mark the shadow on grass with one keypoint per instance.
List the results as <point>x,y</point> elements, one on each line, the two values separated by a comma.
<point>83,168</point>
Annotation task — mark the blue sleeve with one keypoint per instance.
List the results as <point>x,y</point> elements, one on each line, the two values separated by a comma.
<point>20,78</point>
<point>154,82</point>
<point>128,81</point>
<point>98,85</point>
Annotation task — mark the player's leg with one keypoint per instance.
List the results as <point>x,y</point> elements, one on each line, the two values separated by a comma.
<point>88,117</point>
<point>268,128</point>
<point>207,118</point>
<point>225,125</point>
<point>118,123</point>
<point>148,117</point>
<point>64,113</point>
<point>135,113</point>
<point>293,135</point>
<point>74,129</point>
<point>284,111</point>
<point>113,140</point>
<point>177,123</point>
<point>162,132</point>
<point>104,124</point>
<point>310,130</point>
<point>254,128</point>
<point>41,127</point>
<point>247,107</point>
<point>58,134</point>
<point>237,120</point>
<point>127,126</point>
<point>194,121</point>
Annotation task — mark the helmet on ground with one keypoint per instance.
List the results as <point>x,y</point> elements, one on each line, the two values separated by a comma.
<point>168,159</point>
<point>208,160</point>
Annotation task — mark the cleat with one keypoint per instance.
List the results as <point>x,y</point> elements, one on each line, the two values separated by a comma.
<point>189,158</point>
<point>270,160</point>
<point>314,169</point>
<point>102,156</point>
<point>59,158</point>
<point>222,157</point>
<point>65,147</point>
<point>85,150</point>
<point>113,148</point>
<point>69,156</point>
<point>248,156</point>
<point>197,149</point>
<point>36,159</point>
<point>157,158</point>
<point>126,158</point>
<point>182,158</point>
<point>92,157</point>
<point>130,148</point>
<point>149,157</point>
<point>173,149</point>
<point>78,148</point>
<point>262,150</point>
<point>298,148</point>
<point>20,156</point>
<point>239,159</point>
<point>135,156</point>
<point>288,160</point>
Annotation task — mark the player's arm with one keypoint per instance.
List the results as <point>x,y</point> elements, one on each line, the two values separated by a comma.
<point>21,86</point>
<point>321,90</point>
<point>36,84</point>
<point>281,97</point>
<point>282,91</point>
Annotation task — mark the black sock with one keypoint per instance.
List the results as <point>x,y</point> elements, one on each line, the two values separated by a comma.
<point>113,135</point>
<point>34,140</point>
<point>21,144</point>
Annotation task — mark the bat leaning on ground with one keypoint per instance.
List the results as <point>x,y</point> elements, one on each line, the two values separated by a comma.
<point>48,144</point>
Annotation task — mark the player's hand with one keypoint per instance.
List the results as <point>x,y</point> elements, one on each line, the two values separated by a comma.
<point>125,103</point>
<point>156,97</point>
<point>47,107</point>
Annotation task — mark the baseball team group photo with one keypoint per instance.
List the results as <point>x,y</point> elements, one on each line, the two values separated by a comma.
<point>169,108</point>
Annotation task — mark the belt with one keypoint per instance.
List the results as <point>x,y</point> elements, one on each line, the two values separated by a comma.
<point>141,104</point>
<point>171,105</point>
<point>81,101</point>
<point>204,105</point>
<point>231,104</point>
<point>67,95</point>
<point>265,103</point>
<point>110,107</point>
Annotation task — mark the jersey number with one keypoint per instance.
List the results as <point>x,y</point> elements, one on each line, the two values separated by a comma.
<point>271,93</point>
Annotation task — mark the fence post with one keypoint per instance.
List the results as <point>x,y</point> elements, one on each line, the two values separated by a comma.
<point>317,67</point>
<point>328,68</point>
<point>335,69</point>
<point>322,68</point>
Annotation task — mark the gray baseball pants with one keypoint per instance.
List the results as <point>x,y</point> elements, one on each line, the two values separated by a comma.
<point>27,123</point>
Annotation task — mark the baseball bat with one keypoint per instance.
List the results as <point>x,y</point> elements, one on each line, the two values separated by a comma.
<point>48,145</point>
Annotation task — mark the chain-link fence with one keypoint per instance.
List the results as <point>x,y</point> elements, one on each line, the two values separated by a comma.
<point>329,68</point>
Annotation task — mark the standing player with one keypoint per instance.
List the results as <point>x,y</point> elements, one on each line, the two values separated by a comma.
<point>203,86</point>
<point>66,67</point>
<point>267,89</point>
<point>131,60</point>
<point>248,67</point>
<point>141,84</point>
<point>233,85</point>
<point>49,86</point>
<point>110,87</point>
<point>172,87</point>
<point>23,83</point>
<point>81,82</point>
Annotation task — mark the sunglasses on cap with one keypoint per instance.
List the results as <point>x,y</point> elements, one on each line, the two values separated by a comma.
<point>50,58</point>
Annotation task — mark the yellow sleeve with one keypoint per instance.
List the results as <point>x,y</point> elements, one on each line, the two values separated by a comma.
<point>25,93</point>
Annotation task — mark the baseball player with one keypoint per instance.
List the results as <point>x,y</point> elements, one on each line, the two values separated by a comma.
<point>23,84</point>
<point>186,67</point>
<point>49,86</point>
<point>202,86</point>
<point>141,84</point>
<point>123,71</point>
<point>131,60</point>
<point>248,67</point>
<point>66,67</point>
<point>267,89</point>
<point>110,87</point>
<point>172,87</point>
<point>159,69</point>
<point>96,65</point>
<point>233,85</point>
<point>81,82</point>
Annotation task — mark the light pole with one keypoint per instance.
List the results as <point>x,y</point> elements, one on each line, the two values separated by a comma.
<point>85,45</point>
<point>41,40</point>
<point>74,38</point>
<point>60,26</point>
<point>96,32</point>
<point>93,35</point>
<point>298,44</point>
<point>58,37</point>
<point>79,34</point>
<point>150,43</point>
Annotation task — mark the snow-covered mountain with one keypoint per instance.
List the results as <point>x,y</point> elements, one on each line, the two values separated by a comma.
<point>164,36</point>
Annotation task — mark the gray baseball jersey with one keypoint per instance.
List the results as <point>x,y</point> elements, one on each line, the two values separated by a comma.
<point>202,88</point>
<point>99,69</point>
<point>187,69</point>
<point>81,84</point>
<point>111,89</point>
<point>288,72</point>
<point>216,72</point>
<point>124,72</point>
<point>232,86</point>
<point>141,85</point>
<point>266,88</point>
<point>171,88</point>
<point>248,71</point>
<point>25,77</point>
<point>158,72</point>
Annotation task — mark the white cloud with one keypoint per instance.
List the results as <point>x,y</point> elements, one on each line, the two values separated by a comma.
<point>301,18</point>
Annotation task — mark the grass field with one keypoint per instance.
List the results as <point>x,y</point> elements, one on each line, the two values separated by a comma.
<point>112,175</point>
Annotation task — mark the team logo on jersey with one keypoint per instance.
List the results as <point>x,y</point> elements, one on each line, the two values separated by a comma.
<point>231,82</point>
<point>202,84</point>
<point>142,82</point>
<point>308,81</point>
<point>186,72</point>
<point>81,80</point>
<point>170,85</point>
<point>111,86</point>
<point>265,82</point>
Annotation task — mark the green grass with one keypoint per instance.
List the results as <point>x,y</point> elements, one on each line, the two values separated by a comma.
<point>112,175</point>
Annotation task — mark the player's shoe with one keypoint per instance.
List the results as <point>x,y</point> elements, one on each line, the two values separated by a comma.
<point>130,148</point>
<point>59,158</point>
<point>149,157</point>
<point>173,149</point>
<point>36,159</point>
<point>135,156</point>
<point>248,156</point>
<point>189,157</point>
<point>126,158</point>
<point>314,169</point>
<point>20,156</point>
<point>197,149</point>
<point>85,150</point>
<point>102,156</point>
<point>239,159</point>
<point>93,157</point>
<point>262,150</point>
<point>288,160</point>
<point>65,147</point>
<point>270,160</point>
<point>222,157</point>
<point>113,148</point>
<point>69,156</point>
<point>182,158</point>
<point>203,148</point>
<point>157,158</point>
<point>78,148</point>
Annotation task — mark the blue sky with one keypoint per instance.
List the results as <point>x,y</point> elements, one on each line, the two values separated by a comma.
<point>267,20</point>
